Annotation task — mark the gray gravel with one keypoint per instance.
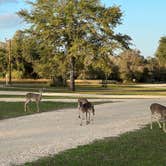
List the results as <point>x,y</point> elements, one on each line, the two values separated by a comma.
<point>28,138</point>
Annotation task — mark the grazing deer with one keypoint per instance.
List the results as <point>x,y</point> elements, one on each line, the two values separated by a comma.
<point>33,97</point>
<point>85,107</point>
<point>158,112</point>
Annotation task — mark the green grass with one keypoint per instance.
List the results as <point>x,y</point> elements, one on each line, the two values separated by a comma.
<point>15,109</point>
<point>47,97</point>
<point>112,89</point>
<point>143,147</point>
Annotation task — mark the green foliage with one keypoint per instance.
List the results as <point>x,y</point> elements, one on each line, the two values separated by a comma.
<point>24,55</point>
<point>74,31</point>
<point>131,65</point>
<point>17,51</point>
<point>3,62</point>
<point>161,51</point>
<point>17,74</point>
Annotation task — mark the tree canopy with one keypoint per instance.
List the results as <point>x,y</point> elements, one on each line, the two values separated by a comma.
<point>161,51</point>
<point>73,29</point>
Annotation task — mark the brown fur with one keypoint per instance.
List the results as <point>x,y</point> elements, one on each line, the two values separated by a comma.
<point>158,112</point>
<point>86,107</point>
<point>33,97</point>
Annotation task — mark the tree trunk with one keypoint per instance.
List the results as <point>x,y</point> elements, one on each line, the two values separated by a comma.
<point>72,77</point>
<point>58,81</point>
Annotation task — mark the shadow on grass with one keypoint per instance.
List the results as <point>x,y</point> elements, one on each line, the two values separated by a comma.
<point>143,147</point>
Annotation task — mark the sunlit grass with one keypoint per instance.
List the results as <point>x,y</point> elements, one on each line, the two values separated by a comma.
<point>144,147</point>
<point>15,109</point>
<point>111,89</point>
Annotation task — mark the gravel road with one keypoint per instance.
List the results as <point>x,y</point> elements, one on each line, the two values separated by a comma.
<point>28,138</point>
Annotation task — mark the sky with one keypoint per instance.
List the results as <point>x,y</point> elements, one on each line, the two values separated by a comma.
<point>143,20</point>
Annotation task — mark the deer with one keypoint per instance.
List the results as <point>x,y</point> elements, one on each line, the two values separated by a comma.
<point>86,107</point>
<point>158,112</point>
<point>33,97</point>
<point>81,101</point>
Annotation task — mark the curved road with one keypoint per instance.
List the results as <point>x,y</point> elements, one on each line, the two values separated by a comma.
<point>28,138</point>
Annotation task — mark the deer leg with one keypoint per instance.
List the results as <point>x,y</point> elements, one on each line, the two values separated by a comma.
<point>164,127</point>
<point>157,120</point>
<point>86,118</point>
<point>151,127</point>
<point>81,119</point>
<point>89,117</point>
<point>92,119</point>
<point>25,105</point>
<point>93,112</point>
<point>37,104</point>
<point>159,124</point>
<point>79,111</point>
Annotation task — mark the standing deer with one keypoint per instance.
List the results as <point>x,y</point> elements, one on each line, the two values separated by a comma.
<point>158,112</point>
<point>33,97</point>
<point>81,101</point>
<point>86,107</point>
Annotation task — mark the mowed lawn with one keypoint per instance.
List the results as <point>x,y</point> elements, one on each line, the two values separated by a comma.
<point>111,89</point>
<point>15,109</point>
<point>143,147</point>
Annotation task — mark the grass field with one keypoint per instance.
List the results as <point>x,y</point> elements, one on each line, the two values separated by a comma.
<point>112,89</point>
<point>47,97</point>
<point>15,109</point>
<point>143,147</point>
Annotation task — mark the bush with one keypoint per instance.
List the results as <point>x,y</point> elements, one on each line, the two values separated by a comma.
<point>17,74</point>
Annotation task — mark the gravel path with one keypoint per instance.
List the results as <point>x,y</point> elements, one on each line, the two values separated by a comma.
<point>28,138</point>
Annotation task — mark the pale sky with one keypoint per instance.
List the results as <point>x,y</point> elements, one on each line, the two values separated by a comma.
<point>143,20</point>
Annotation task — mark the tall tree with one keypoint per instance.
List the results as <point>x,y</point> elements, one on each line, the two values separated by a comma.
<point>3,62</point>
<point>31,55</point>
<point>131,65</point>
<point>24,50</point>
<point>161,51</point>
<point>74,29</point>
<point>17,54</point>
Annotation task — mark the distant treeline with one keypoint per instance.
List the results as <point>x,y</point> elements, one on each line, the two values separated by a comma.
<point>128,66</point>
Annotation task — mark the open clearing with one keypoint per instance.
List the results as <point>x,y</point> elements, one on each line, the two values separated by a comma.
<point>28,138</point>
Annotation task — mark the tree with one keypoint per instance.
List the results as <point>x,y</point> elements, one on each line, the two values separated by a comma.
<point>3,62</point>
<point>31,54</point>
<point>17,55</point>
<point>74,29</point>
<point>24,55</point>
<point>155,71</point>
<point>131,65</point>
<point>161,51</point>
